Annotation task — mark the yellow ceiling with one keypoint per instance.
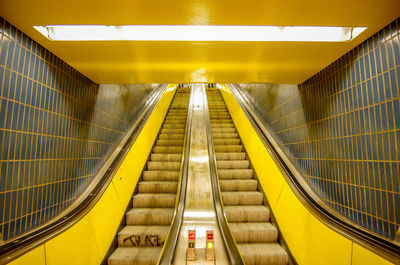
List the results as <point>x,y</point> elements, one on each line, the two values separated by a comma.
<point>162,62</point>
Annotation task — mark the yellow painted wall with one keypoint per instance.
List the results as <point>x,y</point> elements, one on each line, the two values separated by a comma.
<point>310,241</point>
<point>87,241</point>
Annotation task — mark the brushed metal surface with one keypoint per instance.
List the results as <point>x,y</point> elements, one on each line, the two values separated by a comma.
<point>199,208</point>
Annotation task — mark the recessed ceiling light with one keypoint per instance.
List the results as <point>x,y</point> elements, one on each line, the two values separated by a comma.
<point>198,33</point>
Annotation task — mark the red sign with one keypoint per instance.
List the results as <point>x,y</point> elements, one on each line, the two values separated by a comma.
<point>191,236</point>
<point>210,236</point>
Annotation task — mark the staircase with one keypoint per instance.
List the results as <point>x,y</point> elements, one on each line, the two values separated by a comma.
<point>248,217</point>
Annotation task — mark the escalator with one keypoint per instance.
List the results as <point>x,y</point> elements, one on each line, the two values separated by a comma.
<point>250,236</point>
<point>148,222</point>
<point>244,204</point>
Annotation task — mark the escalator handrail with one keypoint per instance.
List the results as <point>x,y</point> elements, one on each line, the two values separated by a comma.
<point>168,250</point>
<point>23,243</point>
<point>230,244</point>
<point>376,243</point>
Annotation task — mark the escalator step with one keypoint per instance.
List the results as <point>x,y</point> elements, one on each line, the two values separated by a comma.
<point>143,236</point>
<point>226,141</point>
<point>169,142</point>
<point>219,120</point>
<point>163,165</point>
<point>261,253</point>
<point>158,186</point>
<point>150,216</point>
<point>235,173</point>
<point>220,114</point>
<point>242,198</point>
<point>233,164</point>
<point>223,130</point>
<point>230,156</point>
<point>254,232</point>
<point>174,126</point>
<point>154,200</point>
<point>172,131</point>
<point>175,121</point>
<point>221,125</point>
<point>176,117</point>
<point>168,149</point>
<point>166,157</point>
<point>238,185</point>
<point>160,175</point>
<point>228,148</point>
<point>169,136</point>
<point>247,213</point>
<point>135,256</point>
<point>224,136</point>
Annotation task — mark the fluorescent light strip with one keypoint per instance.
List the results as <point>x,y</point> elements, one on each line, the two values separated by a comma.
<point>198,33</point>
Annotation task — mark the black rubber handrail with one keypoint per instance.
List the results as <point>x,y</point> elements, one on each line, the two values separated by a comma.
<point>230,244</point>
<point>28,241</point>
<point>389,250</point>
<point>168,250</point>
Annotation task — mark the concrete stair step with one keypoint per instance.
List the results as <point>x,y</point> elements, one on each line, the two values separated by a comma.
<point>166,157</point>
<point>263,253</point>
<point>238,185</point>
<point>143,236</point>
<point>150,216</point>
<point>157,187</point>
<point>230,156</point>
<point>135,256</point>
<point>254,232</point>
<point>154,200</point>
<point>248,213</point>
<point>242,198</point>
<point>233,164</point>
<point>235,173</point>
<point>162,165</point>
<point>158,175</point>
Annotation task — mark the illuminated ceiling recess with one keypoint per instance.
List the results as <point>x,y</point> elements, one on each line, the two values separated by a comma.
<point>198,33</point>
<point>126,61</point>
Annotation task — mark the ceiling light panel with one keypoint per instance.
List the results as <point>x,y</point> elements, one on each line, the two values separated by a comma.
<point>198,33</point>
